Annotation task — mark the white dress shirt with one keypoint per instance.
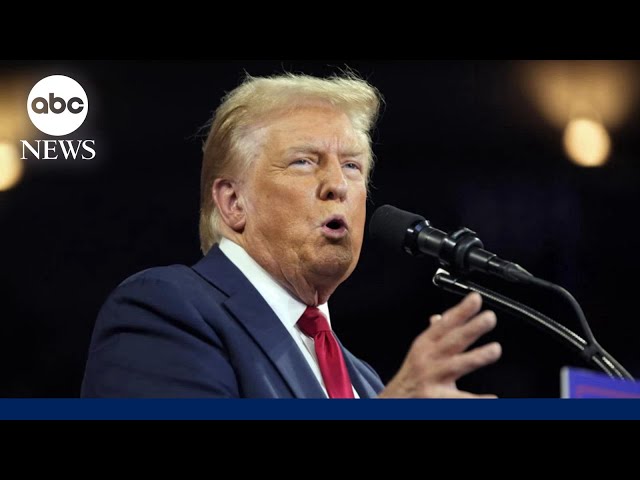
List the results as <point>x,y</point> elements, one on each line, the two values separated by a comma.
<point>286,307</point>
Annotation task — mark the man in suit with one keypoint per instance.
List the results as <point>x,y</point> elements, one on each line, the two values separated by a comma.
<point>283,194</point>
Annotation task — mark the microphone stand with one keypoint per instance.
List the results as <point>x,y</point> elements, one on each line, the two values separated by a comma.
<point>588,349</point>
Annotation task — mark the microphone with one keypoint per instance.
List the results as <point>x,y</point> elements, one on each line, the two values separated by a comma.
<point>460,252</point>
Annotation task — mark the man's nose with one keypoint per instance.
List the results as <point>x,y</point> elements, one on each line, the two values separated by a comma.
<point>333,184</point>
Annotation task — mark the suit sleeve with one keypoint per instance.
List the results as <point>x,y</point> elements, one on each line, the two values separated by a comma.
<point>151,341</point>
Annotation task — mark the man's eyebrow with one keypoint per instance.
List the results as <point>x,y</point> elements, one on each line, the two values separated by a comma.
<point>304,147</point>
<point>351,151</point>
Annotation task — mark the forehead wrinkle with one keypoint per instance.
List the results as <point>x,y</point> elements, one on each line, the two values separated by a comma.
<point>286,138</point>
<point>349,148</point>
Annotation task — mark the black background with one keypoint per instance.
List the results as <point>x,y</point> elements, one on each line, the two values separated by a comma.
<point>459,142</point>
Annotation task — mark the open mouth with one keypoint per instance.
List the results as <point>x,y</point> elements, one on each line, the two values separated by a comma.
<point>335,227</point>
<point>335,224</point>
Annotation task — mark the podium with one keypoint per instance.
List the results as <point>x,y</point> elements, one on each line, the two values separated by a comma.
<point>582,383</point>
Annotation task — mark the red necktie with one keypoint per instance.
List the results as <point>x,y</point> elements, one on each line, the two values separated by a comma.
<point>332,366</point>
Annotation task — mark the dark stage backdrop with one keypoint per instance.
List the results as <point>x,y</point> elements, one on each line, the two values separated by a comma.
<point>460,142</point>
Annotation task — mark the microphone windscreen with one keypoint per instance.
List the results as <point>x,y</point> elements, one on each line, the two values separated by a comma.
<point>389,226</point>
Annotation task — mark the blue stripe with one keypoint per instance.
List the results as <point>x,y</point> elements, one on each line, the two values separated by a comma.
<point>364,409</point>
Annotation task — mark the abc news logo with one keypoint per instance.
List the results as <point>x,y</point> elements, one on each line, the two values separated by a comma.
<point>58,105</point>
<point>40,105</point>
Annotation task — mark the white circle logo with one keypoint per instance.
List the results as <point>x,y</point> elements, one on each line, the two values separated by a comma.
<point>57,105</point>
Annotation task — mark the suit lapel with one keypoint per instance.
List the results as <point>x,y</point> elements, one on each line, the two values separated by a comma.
<point>247,305</point>
<point>362,386</point>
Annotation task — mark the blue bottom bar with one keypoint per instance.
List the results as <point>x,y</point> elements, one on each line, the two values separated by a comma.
<point>363,409</point>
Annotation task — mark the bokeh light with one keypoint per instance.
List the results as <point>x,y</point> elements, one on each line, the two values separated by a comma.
<point>11,167</point>
<point>587,142</point>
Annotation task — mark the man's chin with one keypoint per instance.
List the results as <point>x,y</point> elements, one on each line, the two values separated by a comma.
<point>334,263</point>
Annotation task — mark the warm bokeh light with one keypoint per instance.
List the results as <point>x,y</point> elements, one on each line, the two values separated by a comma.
<point>587,142</point>
<point>14,120</point>
<point>11,166</point>
<point>563,90</point>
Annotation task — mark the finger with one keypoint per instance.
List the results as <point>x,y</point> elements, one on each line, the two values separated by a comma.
<point>480,395</point>
<point>459,339</point>
<point>460,313</point>
<point>463,394</point>
<point>464,363</point>
<point>442,391</point>
<point>435,318</point>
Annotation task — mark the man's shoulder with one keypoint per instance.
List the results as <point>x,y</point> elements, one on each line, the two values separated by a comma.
<point>167,280</point>
<point>174,274</point>
<point>166,275</point>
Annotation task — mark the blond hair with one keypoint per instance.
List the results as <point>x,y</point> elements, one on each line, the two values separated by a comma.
<point>228,149</point>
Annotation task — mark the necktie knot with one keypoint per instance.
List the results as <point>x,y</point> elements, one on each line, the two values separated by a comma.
<point>313,322</point>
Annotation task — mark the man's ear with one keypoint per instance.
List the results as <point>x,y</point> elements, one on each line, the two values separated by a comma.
<point>229,203</point>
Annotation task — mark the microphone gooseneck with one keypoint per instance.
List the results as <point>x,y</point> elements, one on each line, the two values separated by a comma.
<point>590,351</point>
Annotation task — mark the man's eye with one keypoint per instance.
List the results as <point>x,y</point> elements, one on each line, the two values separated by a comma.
<point>352,165</point>
<point>301,161</point>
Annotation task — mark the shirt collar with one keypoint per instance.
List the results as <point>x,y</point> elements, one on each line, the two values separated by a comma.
<point>288,308</point>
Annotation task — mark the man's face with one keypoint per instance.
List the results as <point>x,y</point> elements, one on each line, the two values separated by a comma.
<point>306,196</point>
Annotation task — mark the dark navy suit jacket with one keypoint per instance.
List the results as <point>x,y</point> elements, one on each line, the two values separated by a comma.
<point>201,331</point>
